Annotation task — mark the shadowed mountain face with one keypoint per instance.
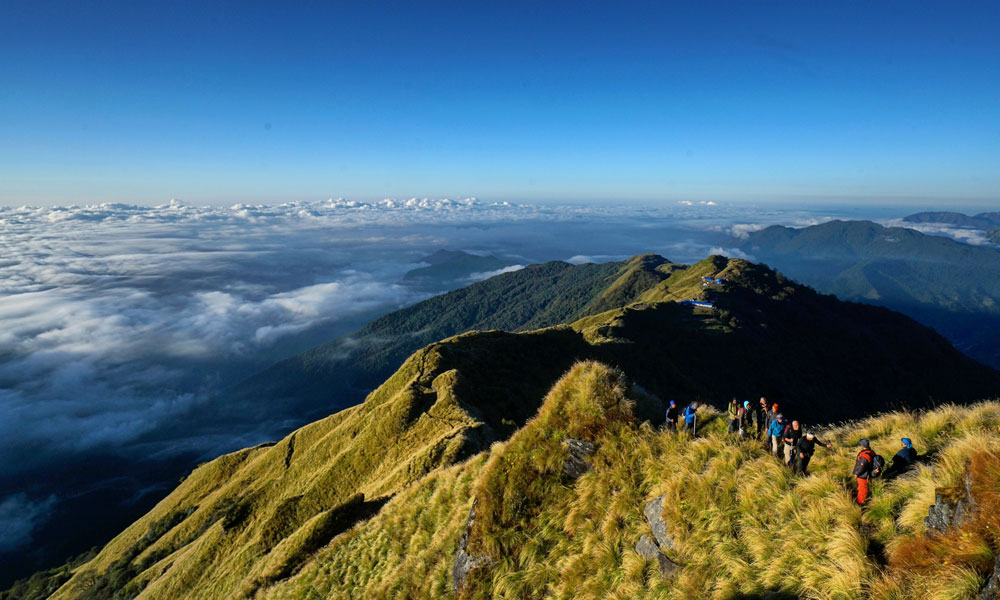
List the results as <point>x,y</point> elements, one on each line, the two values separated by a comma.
<point>340,373</point>
<point>984,221</point>
<point>249,522</point>
<point>950,286</point>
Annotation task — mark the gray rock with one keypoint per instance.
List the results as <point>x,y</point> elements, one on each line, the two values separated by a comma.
<point>954,510</point>
<point>465,563</point>
<point>992,589</point>
<point>648,549</point>
<point>654,515</point>
<point>579,450</point>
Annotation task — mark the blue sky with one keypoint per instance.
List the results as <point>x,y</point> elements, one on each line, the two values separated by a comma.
<point>143,102</point>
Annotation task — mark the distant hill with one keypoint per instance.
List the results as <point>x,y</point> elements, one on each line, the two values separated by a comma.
<point>983,221</point>
<point>339,374</point>
<point>373,501</point>
<point>450,268</point>
<point>950,286</point>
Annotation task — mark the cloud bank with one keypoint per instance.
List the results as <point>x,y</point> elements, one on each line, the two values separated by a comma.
<point>119,324</point>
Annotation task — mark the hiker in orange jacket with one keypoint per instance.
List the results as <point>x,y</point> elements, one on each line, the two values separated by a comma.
<point>863,470</point>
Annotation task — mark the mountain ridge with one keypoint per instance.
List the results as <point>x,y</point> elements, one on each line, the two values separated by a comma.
<point>948,285</point>
<point>242,524</point>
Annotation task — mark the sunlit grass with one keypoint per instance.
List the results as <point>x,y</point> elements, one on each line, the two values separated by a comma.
<point>742,524</point>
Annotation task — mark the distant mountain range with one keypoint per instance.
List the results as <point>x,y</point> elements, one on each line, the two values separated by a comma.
<point>383,491</point>
<point>950,286</point>
<point>983,221</point>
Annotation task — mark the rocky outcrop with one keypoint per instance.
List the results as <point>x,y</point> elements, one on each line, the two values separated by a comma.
<point>654,515</point>
<point>649,549</point>
<point>952,506</point>
<point>579,451</point>
<point>465,563</point>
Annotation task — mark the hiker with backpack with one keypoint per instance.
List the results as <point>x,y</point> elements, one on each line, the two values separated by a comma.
<point>805,449</point>
<point>770,416</point>
<point>776,429</point>
<point>672,412</point>
<point>734,416</point>
<point>867,466</point>
<point>791,436</point>
<point>691,418</point>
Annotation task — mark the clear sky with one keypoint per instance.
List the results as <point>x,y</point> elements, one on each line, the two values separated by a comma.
<point>142,102</point>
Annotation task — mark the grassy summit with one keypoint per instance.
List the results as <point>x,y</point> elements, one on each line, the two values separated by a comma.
<point>374,501</point>
<point>740,524</point>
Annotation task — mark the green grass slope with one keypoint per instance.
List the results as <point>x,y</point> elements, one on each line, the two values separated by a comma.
<point>740,524</point>
<point>406,465</point>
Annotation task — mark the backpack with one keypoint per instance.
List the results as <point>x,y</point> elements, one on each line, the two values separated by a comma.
<point>878,465</point>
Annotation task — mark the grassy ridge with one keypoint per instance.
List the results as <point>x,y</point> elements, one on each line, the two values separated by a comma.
<point>270,521</point>
<point>742,524</point>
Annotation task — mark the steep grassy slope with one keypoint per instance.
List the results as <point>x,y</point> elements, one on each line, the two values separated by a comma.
<point>739,524</point>
<point>945,284</point>
<point>340,373</point>
<point>260,521</point>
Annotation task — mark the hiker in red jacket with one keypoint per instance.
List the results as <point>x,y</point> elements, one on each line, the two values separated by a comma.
<point>863,470</point>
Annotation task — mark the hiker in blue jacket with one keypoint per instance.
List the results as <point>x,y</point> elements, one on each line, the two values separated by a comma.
<point>903,459</point>
<point>691,418</point>
<point>775,431</point>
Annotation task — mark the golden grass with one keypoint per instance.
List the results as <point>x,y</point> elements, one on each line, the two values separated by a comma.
<point>742,524</point>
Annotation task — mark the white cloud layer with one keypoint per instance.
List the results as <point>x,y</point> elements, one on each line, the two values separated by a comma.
<point>488,274</point>
<point>961,234</point>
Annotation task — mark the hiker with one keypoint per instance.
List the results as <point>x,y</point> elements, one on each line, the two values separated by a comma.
<point>791,438</point>
<point>863,468</point>
<point>691,418</point>
<point>760,420</point>
<point>745,415</point>
<point>672,412</point>
<point>903,459</point>
<point>775,431</point>
<point>771,416</point>
<point>806,447</point>
<point>734,415</point>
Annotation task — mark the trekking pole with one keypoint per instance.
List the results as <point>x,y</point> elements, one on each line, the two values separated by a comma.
<point>694,426</point>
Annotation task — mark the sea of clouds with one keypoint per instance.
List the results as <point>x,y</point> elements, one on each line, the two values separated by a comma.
<point>118,323</point>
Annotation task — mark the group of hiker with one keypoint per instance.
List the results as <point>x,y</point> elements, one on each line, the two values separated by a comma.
<point>869,465</point>
<point>787,440</point>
